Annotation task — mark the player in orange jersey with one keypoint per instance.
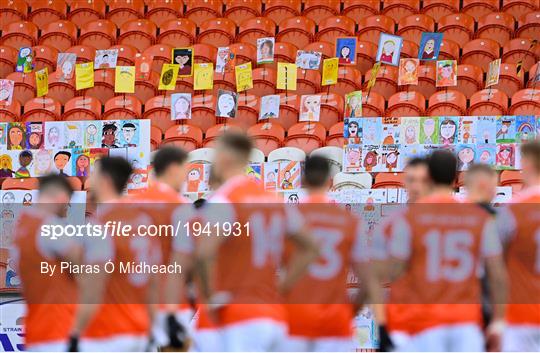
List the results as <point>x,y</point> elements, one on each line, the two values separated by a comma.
<point>51,298</point>
<point>435,250</point>
<point>520,230</point>
<point>122,321</point>
<point>417,182</point>
<point>320,314</point>
<point>239,273</point>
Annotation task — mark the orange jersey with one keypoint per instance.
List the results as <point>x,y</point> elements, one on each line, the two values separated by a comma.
<point>520,230</point>
<point>51,300</point>
<point>444,243</point>
<point>124,310</point>
<point>246,265</point>
<point>342,240</point>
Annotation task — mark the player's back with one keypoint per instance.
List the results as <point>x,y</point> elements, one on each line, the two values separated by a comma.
<point>444,242</point>
<point>50,299</point>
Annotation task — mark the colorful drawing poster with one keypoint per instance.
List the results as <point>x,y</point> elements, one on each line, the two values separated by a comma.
<point>391,129</point>
<point>352,158</point>
<point>124,79</point>
<point>430,46</point>
<point>65,66</point>
<point>106,59</point>
<point>195,177</point>
<point>110,134</point>
<point>81,162</point>
<point>294,196</point>
<point>3,136</point>
<point>43,162</point>
<point>269,107</point>
<point>286,76</point>
<point>525,128</point>
<point>244,77</point>
<point>310,108</point>
<point>203,76</point>
<point>180,106</point>
<point>408,71</point>
<point>506,129</point>
<point>225,60</point>
<point>308,60</point>
<point>330,71</point>
<point>410,130</point>
<point>255,171</point>
<point>84,76</point>
<point>265,50</point>
<point>466,155</point>
<point>429,130</point>
<point>467,129</point>
<point>25,60</point>
<point>290,175</point>
<point>129,133</point>
<point>34,135</point>
<point>353,130</point>
<point>448,128</point>
<point>6,91</point>
<point>506,156</point>
<point>485,154</point>
<point>16,136</point>
<point>353,104</point>
<point>446,73</point>
<point>62,162</point>
<point>390,161</point>
<point>271,175</point>
<point>143,66</point>
<point>346,50</point>
<point>73,134</point>
<point>169,74</point>
<point>487,129</point>
<point>227,104</point>
<point>42,82</point>
<point>371,131</point>
<point>389,49</point>
<point>494,70</point>
<point>92,134</point>
<point>183,57</point>
<point>371,158</point>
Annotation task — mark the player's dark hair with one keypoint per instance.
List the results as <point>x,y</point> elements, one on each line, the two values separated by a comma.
<point>118,169</point>
<point>417,161</point>
<point>316,171</point>
<point>531,150</point>
<point>166,156</point>
<point>55,181</point>
<point>238,143</point>
<point>442,167</point>
<point>65,153</point>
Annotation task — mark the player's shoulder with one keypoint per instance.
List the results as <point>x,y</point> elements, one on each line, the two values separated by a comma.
<point>529,195</point>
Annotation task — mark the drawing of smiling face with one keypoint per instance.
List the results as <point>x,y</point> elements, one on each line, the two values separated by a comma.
<point>466,155</point>
<point>194,175</point>
<point>311,103</point>
<point>485,157</point>
<point>226,104</point>
<point>353,129</point>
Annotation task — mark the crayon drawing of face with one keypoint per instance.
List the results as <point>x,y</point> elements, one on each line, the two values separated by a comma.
<point>410,134</point>
<point>182,107</point>
<point>353,157</point>
<point>429,46</point>
<point>447,71</point>
<point>25,52</point>
<point>266,49</point>
<point>4,94</point>
<point>448,130</point>
<point>67,68</point>
<point>429,127</point>
<point>271,177</point>
<point>345,52</point>
<point>194,174</point>
<point>353,129</point>
<point>293,198</point>
<point>389,47</point>
<point>410,66</point>
<point>466,155</point>
<point>16,136</point>
<point>34,140</point>
<point>53,136</point>
<point>311,103</point>
<point>43,162</point>
<point>485,157</point>
<point>354,101</point>
<point>226,104</point>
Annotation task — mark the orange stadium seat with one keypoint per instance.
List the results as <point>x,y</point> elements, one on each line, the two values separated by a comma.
<point>20,184</point>
<point>267,136</point>
<point>146,89</point>
<point>248,111</point>
<point>389,181</point>
<point>204,53</point>
<point>529,26</point>
<point>122,108</point>
<point>533,73</point>
<point>226,81</point>
<point>240,10</point>
<point>59,34</point>
<point>331,109</point>
<point>449,50</point>
<point>458,27</point>
<point>158,110</point>
<point>244,53</point>
<point>480,52</point>
<point>520,49</point>
<point>440,8</point>
<point>19,34</point>
<point>306,135</point>
<point>60,89</point>
<point>397,9</point>
<point>279,10</point>
<point>319,10</point>
<point>25,86</point>
<point>411,27</point>
<point>479,8</point>
<point>498,26</point>
<point>512,178</point>
<point>84,53</point>
<point>184,84</point>
<point>185,136</point>
<point>470,79</point>
<point>308,82</point>
<point>327,49</point>
<point>525,102</point>
<point>42,109</point>
<point>349,79</point>
<point>253,28</point>
<point>156,136</point>
<point>159,11</point>
<point>386,83</point>
<point>121,11</point>
<point>406,104</point>
<point>139,33</point>
<point>426,80</point>
<point>82,108</point>
<point>103,85</point>
<point>288,110</point>
<point>126,54</point>
<point>8,60</point>
<point>299,31</point>
<point>11,112</point>
<point>214,132</point>
<point>488,102</point>
<point>449,102</point>
<point>82,12</point>
<point>203,111</point>
<point>357,9</point>
<point>100,34</point>
<point>177,33</point>
<point>509,81</point>
<point>199,11</point>
<point>47,11</point>
<point>218,32</point>
<point>12,11</point>
<point>45,56</point>
<point>335,135</point>
<point>518,8</point>
<point>365,55</point>
<point>161,54</point>
<point>370,28</point>
<point>409,49</point>
<point>335,26</point>
<point>372,104</point>
<point>264,81</point>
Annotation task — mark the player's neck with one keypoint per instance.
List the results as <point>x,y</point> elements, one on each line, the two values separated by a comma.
<point>233,172</point>
<point>165,181</point>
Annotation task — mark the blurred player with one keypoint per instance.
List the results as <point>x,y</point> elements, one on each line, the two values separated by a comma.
<point>122,322</point>
<point>417,182</point>
<point>435,249</point>
<point>51,300</point>
<point>481,185</point>
<point>320,316</point>
<point>520,230</point>
<point>238,273</point>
